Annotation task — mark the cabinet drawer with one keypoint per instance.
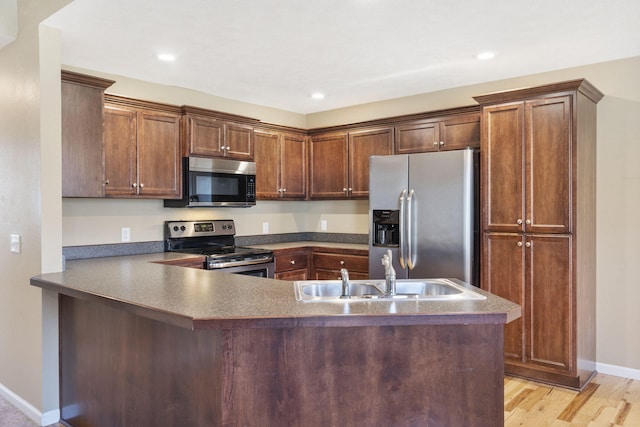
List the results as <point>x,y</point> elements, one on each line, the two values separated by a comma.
<point>356,263</point>
<point>291,261</point>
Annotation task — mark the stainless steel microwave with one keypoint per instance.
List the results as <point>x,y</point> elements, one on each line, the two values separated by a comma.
<point>209,182</point>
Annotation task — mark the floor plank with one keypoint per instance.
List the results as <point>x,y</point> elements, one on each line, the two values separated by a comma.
<point>606,401</point>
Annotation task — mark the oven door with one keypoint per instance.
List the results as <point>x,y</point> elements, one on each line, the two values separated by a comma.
<point>265,269</point>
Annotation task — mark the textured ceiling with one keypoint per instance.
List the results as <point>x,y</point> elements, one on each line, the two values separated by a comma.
<point>278,52</point>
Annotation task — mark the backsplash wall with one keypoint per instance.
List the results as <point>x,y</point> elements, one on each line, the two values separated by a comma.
<point>100,221</point>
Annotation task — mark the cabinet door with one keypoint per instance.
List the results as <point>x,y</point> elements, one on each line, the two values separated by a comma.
<point>293,166</point>
<point>502,168</point>
<point>329,166</point>
<point>419,137</point>
<point>267,158</point>
<point>458,133</point>
<point>549,308</point>
<point>205,136</point>
<point>239,141</point>
<point>548,165</point>
<point>291,264</point>
<point>362,145</point>
<point>159,155</point>
<point>82,141</point>
<point>503,275</point>
<point>120,151</point>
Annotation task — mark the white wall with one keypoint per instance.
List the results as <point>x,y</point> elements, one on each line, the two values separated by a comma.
<point>29,147</point>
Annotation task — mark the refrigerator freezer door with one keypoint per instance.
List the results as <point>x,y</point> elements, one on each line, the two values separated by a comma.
<point>442,209</point>
<point>388,177</point>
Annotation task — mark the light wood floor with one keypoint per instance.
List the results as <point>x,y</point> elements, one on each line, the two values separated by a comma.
<point>605,401</point>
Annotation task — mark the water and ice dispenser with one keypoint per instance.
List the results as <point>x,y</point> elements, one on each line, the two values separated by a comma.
<point>386,228</point>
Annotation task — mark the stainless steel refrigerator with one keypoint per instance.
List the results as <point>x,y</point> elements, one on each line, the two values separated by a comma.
<point>424,207</point>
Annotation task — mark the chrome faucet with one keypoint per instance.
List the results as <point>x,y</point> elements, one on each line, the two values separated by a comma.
<point>344,274</point>
<point>389,274</point>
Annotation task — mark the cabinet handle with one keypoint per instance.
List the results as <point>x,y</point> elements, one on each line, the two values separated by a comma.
<point>344,189</point>
<point>528,222</point>
<point>141,185</point>
<point>106,182</point>
<point>134,185</point>
<point>435,143</point>
<point>519,221</point>
<point>284,190</point>
<point>519,244</point>
<point>293,262</point>
<point>528,244</point>
<point>341,262</point>
<point>441,143</point>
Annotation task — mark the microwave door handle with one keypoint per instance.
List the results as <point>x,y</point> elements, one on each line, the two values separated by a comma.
<point>402,229</point>
<point>410,225</point>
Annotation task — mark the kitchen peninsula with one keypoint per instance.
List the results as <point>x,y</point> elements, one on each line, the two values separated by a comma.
<point>144,343</point>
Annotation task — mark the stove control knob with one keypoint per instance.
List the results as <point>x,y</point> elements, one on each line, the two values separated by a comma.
<point>175,228</point>
<point>182,228</point>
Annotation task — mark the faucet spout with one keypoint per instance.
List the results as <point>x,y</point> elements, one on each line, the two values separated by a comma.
<point>344,274</point>
<point>389,274</point>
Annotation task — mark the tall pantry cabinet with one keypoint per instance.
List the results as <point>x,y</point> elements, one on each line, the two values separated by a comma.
<point>538,198</point>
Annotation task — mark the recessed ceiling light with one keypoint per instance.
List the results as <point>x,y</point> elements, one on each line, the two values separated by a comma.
<point>317,95</point>
<point>483,56</point>
<point>166,57</point>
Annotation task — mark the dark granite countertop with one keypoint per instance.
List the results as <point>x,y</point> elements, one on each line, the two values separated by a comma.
<point>203,299</point>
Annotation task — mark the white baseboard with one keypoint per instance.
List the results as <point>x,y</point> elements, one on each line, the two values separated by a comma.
<point>618,371</point>
<point>50,417</point>
<point>28,409</point>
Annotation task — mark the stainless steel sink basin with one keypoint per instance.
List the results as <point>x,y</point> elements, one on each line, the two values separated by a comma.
<point>373,290</point>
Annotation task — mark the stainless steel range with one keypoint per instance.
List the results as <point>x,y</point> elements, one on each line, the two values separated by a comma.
<point>216,240</point>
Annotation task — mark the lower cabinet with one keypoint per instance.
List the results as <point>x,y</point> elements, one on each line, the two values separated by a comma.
<point>320,263</point>
<point>327,265</point>
<point>535,272</point>
<point>292,264</point>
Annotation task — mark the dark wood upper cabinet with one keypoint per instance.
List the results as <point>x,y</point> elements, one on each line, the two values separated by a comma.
<point>281,165</point>
<point>213,134</point>
<point>362,145</point>
<point>205,136</point>
<point>437,134</point>
<point>142,149</point>
<point>328,159</point>
<point>340,161</point>
<point>82,134</point>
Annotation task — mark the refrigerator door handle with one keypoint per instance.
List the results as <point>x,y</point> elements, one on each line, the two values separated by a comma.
<point>410,251</point>
<point>403,235</point>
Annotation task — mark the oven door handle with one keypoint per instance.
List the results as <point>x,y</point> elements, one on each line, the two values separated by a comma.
<point>213,265</point>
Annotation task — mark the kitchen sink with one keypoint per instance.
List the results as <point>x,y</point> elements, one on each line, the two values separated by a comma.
<point>373,290</point>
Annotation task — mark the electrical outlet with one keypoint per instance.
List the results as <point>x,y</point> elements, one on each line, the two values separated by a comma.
<point>265,227</point>
<point>125,234</point>
<point>323,225</point>
<point>16,243</point>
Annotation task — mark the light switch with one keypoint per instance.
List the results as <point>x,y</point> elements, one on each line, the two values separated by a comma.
<point>265,228</point>
<point>125,234</point>
<point>16,243</point>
